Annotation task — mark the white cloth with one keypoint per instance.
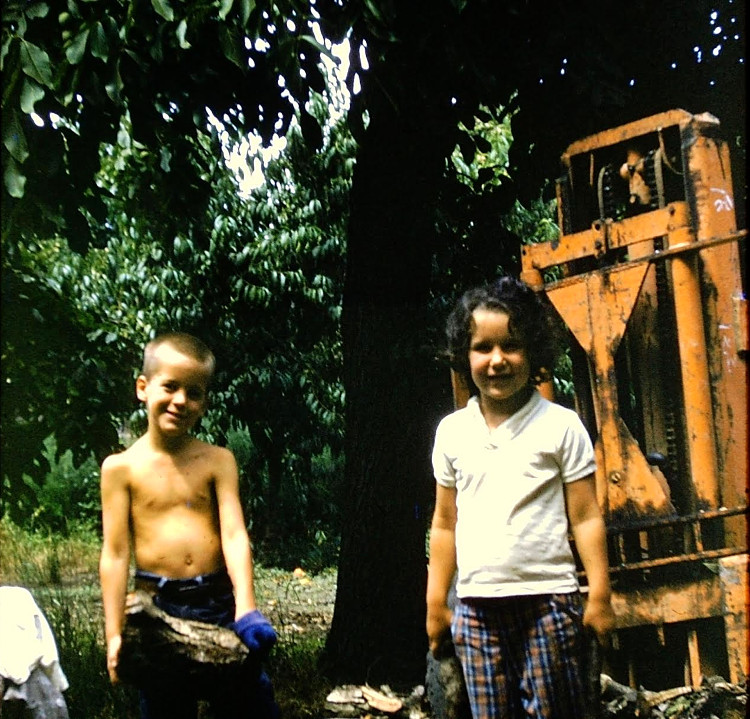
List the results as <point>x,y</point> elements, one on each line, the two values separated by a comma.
<point>512,527</point>
<point>26,640</point>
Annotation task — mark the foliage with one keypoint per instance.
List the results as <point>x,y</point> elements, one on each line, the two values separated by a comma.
<point>158,63</point>
<point>55,363</point>
<point>67,496</point>
<point>258,277</point>
<point>480,239</point>
<point>479,235</point>
<point>40,557</point>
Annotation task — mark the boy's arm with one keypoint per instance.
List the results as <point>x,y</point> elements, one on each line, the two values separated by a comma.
<point>115,557</point>
<point>235,541</point>
<point>250,625</point>
<point>442,566</point>
<point>590,535</point>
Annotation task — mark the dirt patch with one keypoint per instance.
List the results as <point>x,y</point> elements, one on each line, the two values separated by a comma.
<point>297,602</point>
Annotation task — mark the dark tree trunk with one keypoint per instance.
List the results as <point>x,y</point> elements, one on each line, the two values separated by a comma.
<point>390,378</point>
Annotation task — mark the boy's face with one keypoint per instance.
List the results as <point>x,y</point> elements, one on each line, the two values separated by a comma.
<point>176,395</point>
<point>498,360</point>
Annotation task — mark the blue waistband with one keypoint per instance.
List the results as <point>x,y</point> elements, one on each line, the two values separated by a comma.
<point>200,580</point>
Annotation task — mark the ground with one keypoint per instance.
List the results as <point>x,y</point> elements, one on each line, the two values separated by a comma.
<point>301,605</point>
<point>297,603</point>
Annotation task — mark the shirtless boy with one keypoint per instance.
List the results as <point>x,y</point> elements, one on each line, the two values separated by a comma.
<point>173,502</point>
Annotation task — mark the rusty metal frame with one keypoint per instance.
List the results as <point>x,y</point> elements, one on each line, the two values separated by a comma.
<point>609,287</point>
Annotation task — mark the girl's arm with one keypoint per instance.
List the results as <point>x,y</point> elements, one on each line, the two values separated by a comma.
<point>590,535</point>
<point>442,566</point>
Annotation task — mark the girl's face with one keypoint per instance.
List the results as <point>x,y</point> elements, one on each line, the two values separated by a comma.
<point>499,362</point>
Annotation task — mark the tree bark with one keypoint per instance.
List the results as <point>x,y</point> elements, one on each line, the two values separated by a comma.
<point>158,648</point>
<point>390,378</point>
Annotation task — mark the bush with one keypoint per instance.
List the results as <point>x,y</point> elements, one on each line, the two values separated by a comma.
<point>62,497</point>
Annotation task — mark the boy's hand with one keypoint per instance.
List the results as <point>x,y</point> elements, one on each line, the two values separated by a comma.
<point>599,617</point>
<point>256,633</point>
<point>113,656</point>
<point>438,627</point>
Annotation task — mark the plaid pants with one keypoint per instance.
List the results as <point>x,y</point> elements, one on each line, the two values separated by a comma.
<point>522,656</point>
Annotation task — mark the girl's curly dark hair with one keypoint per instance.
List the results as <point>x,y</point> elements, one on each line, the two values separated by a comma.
<point>529,318</point>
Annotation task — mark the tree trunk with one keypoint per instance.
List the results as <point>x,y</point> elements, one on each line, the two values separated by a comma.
<point>390,378</point>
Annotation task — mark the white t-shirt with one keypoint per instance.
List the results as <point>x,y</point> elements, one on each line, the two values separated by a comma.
<point>512,527</point>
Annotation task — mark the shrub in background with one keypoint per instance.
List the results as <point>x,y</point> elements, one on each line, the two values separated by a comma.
<point>61,497</point>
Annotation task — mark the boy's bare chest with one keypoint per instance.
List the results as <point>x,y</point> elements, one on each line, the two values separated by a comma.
<point>164,484</point>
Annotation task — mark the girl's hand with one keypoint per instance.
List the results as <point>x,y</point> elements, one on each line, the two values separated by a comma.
<point>438,627</point>
<point>599,616</point>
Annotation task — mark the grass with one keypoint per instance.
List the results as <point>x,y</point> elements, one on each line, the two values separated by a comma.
<point>61,573</point>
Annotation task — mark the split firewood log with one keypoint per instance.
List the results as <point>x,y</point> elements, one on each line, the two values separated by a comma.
<point>158,648</point>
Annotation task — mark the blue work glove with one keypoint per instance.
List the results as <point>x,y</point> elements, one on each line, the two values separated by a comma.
<point>256,633</point>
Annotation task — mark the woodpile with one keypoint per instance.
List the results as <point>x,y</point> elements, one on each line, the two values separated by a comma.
<point>715,699</point>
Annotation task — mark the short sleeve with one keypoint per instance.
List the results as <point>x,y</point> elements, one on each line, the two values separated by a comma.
<point>442,465</point>
<point>577,459</point>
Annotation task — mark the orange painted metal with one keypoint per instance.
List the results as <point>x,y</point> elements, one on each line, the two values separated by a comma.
<point>591,304</point>
<point>646,277</point>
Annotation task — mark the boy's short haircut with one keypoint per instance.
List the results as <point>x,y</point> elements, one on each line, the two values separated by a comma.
<point>529,319</point>
<point>184,343</point>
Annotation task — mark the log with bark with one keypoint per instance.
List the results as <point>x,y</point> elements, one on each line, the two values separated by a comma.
<point>158,648</point>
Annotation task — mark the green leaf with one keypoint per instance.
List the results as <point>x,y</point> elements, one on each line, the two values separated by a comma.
<point>31,93</point>
<point>8,41</point>
<point>123,138</point>
<point>225,7</point>
<point>37,9</point>
<point>229,38</point>
<point>14,179</point>
<point>14,138</point>
<point>35,63</point>
<point>246,9</point>
<point>115,85</point>
<point>75,51</point>
<point>99,42</point>
<point>375,12</point>
<point>165,159</point>
<point>164,9</point>
<point>181,31</point>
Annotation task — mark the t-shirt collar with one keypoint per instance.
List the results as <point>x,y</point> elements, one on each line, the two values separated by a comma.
<point>509,427</point>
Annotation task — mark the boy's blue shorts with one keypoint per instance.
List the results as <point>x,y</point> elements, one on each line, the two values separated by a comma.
<point>206,598</point>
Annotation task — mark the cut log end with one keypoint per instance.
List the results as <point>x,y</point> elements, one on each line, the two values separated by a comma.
<point>158,648</point>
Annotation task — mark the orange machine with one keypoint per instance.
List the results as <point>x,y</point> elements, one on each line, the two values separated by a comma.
<point>647,277</point>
